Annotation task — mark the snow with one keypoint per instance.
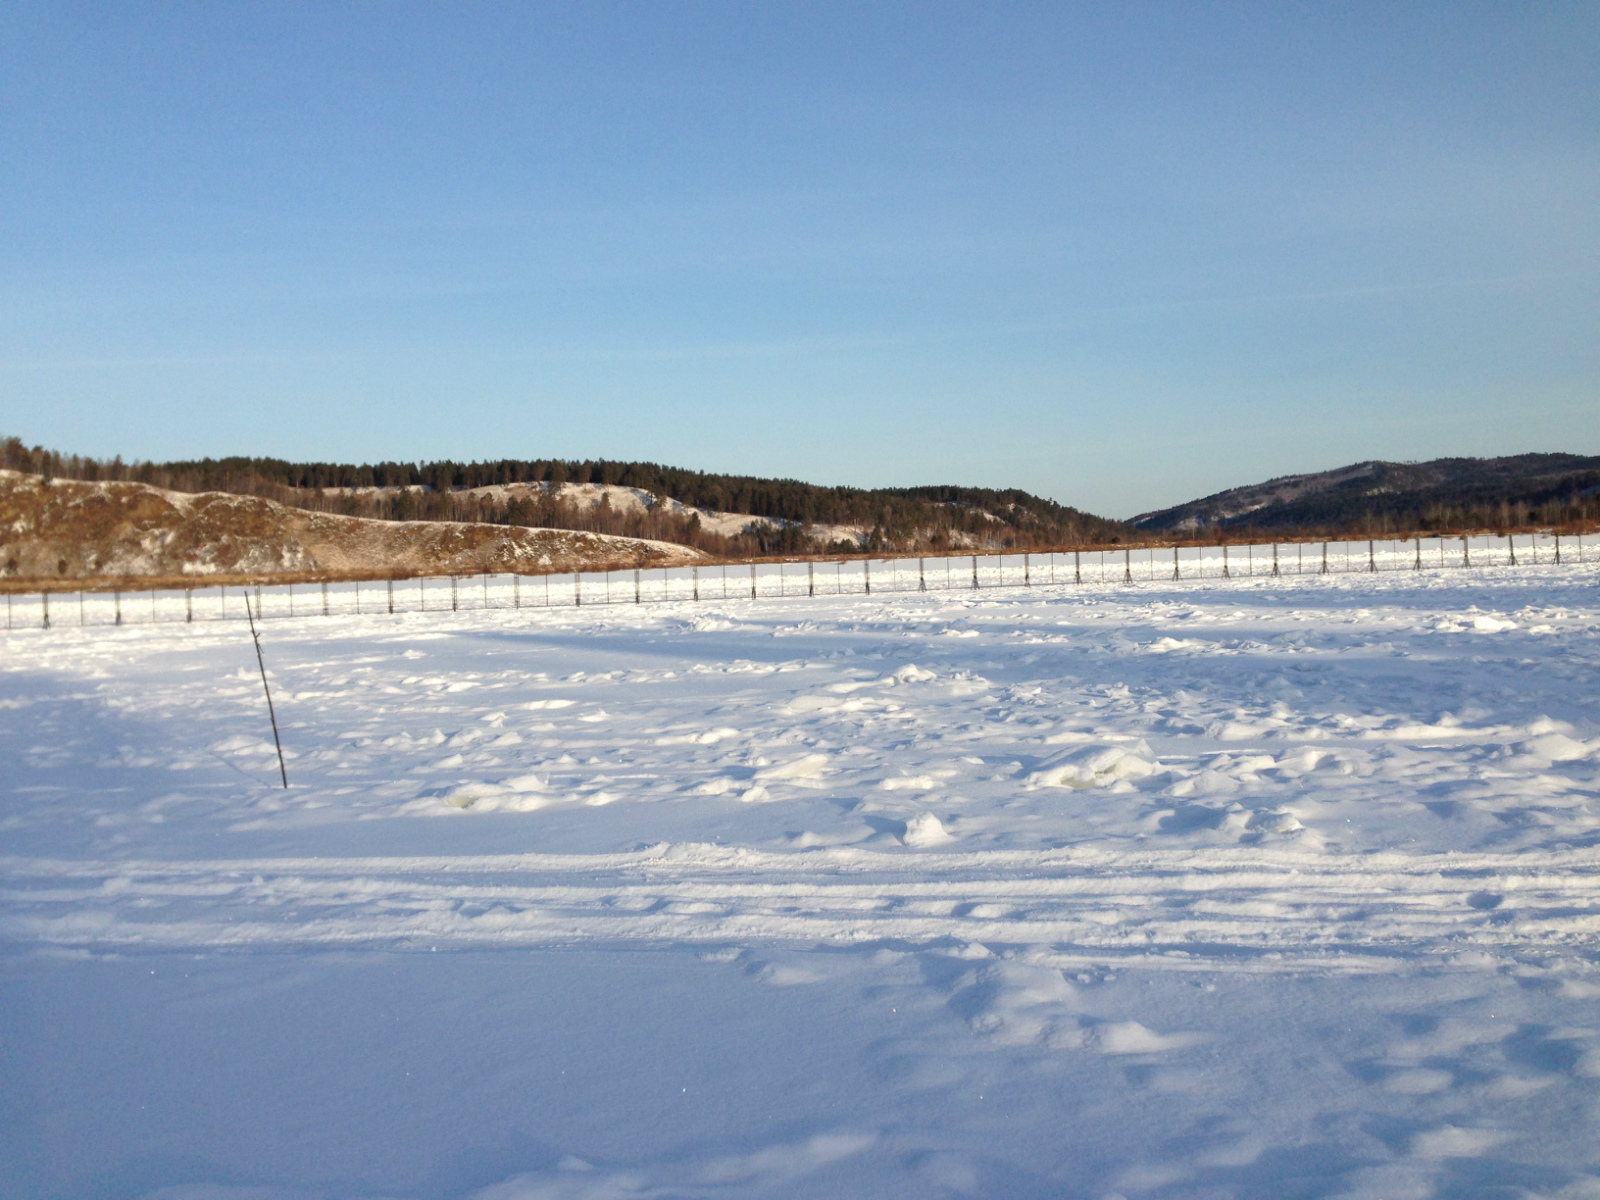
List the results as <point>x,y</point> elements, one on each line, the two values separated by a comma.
<point>1247,887</point>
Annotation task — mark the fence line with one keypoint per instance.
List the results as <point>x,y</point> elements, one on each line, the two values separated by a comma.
<point>726,581</point>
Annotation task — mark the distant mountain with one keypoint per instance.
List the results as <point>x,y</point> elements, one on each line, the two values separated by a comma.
<point>1447,493</point>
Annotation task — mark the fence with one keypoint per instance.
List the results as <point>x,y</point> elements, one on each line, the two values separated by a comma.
<point>733,581</point>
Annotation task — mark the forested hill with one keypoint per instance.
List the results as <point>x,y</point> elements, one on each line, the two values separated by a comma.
<point>889,518</point>
<point>1446,493</point>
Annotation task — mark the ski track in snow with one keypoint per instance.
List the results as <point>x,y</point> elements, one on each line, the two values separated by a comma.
<point>1226,903</point>
<point>1038,828</point>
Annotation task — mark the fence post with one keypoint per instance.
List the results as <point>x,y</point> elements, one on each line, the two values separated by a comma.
<point>44,600</point>
<point>324,598</point>
<point>1127,564</point>
<point>1226,574</point>
<point>752,581</point>
<point>1027,577</point>
<point>453,597</point>
<point>866,574</point>
<point>1077,566</point>
<point>696,573</point>
<point>1418,567</point>
<point>391,596</point>
<point>577,589</point>
<point>638,586</point>
<point>922,574</point>
<point>116,601</point>
<point>974,572</point>
<point>1300,558</point>
<point>291,602</point>
<point>1324,558</point>
<point>1558,549</point>
<point>422,593</point>
<point>1274,559</point>
<point>188,606</point>
<point>1466,551</point>
<point>1175,562</point>
<point>1511,545</point>
<point>811,579</point>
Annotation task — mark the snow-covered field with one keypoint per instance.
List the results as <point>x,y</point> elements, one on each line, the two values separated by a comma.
<point>1263,887</point>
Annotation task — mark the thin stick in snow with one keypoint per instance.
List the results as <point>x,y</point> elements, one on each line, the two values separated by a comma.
<point>260,662</point>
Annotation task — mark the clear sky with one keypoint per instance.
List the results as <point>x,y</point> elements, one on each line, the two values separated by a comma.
<point>1117,254</point>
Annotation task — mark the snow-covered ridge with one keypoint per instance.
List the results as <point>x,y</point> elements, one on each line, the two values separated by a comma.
<point>627,501</point>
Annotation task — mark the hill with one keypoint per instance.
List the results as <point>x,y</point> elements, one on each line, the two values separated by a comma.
<point>1446,493</point>
<point>726,515</point>
<point>68,531</point>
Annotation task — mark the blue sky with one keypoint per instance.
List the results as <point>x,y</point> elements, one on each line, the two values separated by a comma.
<point>1120,255</point>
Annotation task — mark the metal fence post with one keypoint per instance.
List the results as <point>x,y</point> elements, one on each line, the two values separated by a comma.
<point>453,596</point>
<point>811,579</point>
<point>974,571</point>
<point>391,597</point>
<point>1466,551</point>
<point>324,599</point>
<point>866,575</point>
<point>922,574</point>
<point>1226,574</point>
<point>696,572</point>
<point>1077,566</point>
<point>116,601</point>
<point>577,590</point>
<point>1274,559</point>
<point>1127,564</point>
<point>44,601</point>
<point>752,581</point>
<point>638,586</point>
<point>188,606</point>
<point>1511,546</point>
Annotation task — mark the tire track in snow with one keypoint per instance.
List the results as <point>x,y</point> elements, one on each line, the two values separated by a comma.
<point>1209,905</point>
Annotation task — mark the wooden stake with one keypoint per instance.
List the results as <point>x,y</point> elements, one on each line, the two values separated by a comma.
<point>260,662</point>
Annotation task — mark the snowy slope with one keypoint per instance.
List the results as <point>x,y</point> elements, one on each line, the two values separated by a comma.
<point>67,530</point>
<point>1266,887</point>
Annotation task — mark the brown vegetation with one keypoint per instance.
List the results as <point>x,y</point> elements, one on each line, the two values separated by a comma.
<point>70,532</point>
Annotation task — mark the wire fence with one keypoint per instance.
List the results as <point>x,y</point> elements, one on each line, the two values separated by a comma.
<point>754,581</point>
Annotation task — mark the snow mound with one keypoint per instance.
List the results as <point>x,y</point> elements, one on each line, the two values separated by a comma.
<point>925,829</point>
<point>1094,766</point>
